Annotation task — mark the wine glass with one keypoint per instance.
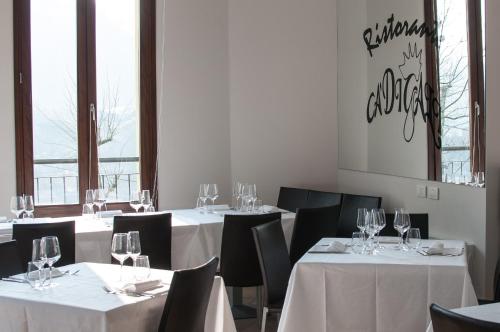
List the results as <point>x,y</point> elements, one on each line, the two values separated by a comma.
<point>17,205</point>
<point>249,195</point>
<point>89,198</point>
<point>52,252</point>
<point>135,201</point>
<point>203,195</point>
<point>381,223</point>
<point>38,257</point>
<point>212,194</point>
<point>119,249</point>
<point>371,228</point>
<point>360,222</point>
<point>236,195</point>
<point>134,245</point>
<point>99,198</point>
<point>29,206</point>
<point>401,224</point>
<point>146,200</point>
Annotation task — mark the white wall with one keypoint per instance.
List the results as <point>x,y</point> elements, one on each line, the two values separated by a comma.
<point>7,131</point>
<point>283,93</point>
<point>193,101</point>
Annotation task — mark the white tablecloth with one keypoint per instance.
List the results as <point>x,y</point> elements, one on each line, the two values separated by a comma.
<point>196,237</point>
<point>390,291</point>
<point>487,312</point>
<point>78,303</point>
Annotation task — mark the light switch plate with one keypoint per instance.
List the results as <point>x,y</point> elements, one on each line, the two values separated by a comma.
<point>421,191</point>
<point>433,193</point>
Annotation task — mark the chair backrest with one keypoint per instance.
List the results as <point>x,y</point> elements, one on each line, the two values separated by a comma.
<point>349,211</point>
<point>292,198</point>
<point>187,300</point>
<point>24,234</point>
<point>10,263</point>
<point>274,262</point>
<point>496,282</point>
<point>444,320</point>
<point>322,198</point>
<point>155,231</point>
<point>418,220</point>
<point>239,264</point>
<point>311,225</point>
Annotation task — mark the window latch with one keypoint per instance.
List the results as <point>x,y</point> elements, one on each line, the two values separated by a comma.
<point>477,108</point>
<point>92,111</point>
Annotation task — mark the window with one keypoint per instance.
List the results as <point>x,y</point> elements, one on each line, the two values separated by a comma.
<point>458,71</point>
<point>85,100</point>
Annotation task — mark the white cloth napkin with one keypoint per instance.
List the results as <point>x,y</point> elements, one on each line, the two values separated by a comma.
<point>141,286</point>
<point>109,213</point>
<point>334,247</point>
<point>438,248</point>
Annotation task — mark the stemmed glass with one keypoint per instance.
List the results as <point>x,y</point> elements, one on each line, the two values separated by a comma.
<point>29,206</point>
<point>38,257</point>
<point>401,224</point>
<point>203,195</point>
<point>135,201</point>
<point>17,205</point>
<point>236,195</point>
<point>212,194</point>
<point>119,249</point>
<point>146,200</point>
<point>371,228</point>
<point>360,222</point>
<point>249,195</point>
<point>99,198</point>
<point>381,223</point>
<point>52,252</point>
<point>89,198</point>
<point>134,245</point>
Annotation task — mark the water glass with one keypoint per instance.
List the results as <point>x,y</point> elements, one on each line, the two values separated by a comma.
<point>135,201</point>
<point>258,206</point>
<point>413,239</point>
<point>358,242</point>
<point>142,270</point>
<point>34,276</point>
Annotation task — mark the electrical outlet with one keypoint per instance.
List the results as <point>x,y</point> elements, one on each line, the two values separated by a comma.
<point>421,191</point>
<point>433,193</point>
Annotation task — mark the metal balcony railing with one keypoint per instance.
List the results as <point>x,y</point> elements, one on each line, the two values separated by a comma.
<point>63,189</point>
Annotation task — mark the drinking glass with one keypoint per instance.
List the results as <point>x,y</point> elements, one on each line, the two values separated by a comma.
<point>34,276</point>
<point>134,245</point>
<point>52,251</point>
<point>119,249</point>
<point>479,179</point>
<point>381,223</point>
<point>360,223</point>
<point>29,206</point>
<point>241,195</point>
<point>38,254</point>
<point>371,228</point>
<point>89,199</point>
<point>249,196</point>
<point>141,268</point>
<point>212,194</point>
<point>236,195</point>
<point>17,205</point>
<point>135,201</point>
<point>413,238</point>
<point>203,195</point>
<point>258,206</point>
<point>358,242</point>
<point>151,208</point>
<point>401,224</point>
<point>99,198</point>
<point>146,199</point>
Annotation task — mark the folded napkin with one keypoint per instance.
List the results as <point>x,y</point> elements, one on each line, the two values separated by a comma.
<point>438,248</point>
<point>109,213</point>
<point>334,247</point>
<point>3,219</point>
<point>142,286</point>
<point>388,239</point>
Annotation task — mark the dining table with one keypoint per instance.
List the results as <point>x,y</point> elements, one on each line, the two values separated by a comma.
<point>86,299</point>
<point>389,291</point>
<point>196,234</point>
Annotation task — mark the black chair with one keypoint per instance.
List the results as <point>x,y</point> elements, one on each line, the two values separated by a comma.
<point>187,300</point>
<point>155,231</point>
<point>275,266</point>
<point>322,198</point>
<point>311,225</point>
<point>496,287</point>
<point>292,198</point>
<point>24,234</point>
<point>349,212</point>
<point>444,320</point>
<point>239,264</point>
<point>418,220</point>
<point>10,263</point>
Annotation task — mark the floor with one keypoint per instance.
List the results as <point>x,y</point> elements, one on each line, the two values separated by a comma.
<point>251,325</point>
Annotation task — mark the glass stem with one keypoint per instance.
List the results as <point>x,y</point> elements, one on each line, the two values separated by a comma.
<point>50,274</point>
<point>121,270</point>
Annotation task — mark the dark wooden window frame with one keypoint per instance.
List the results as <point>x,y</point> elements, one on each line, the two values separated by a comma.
<point>86,81</point>
<point>476,88</point>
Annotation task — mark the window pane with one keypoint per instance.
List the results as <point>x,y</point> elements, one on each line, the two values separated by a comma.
<point>54,101</point>
<point>117,61</point>
<point>454,89</point>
